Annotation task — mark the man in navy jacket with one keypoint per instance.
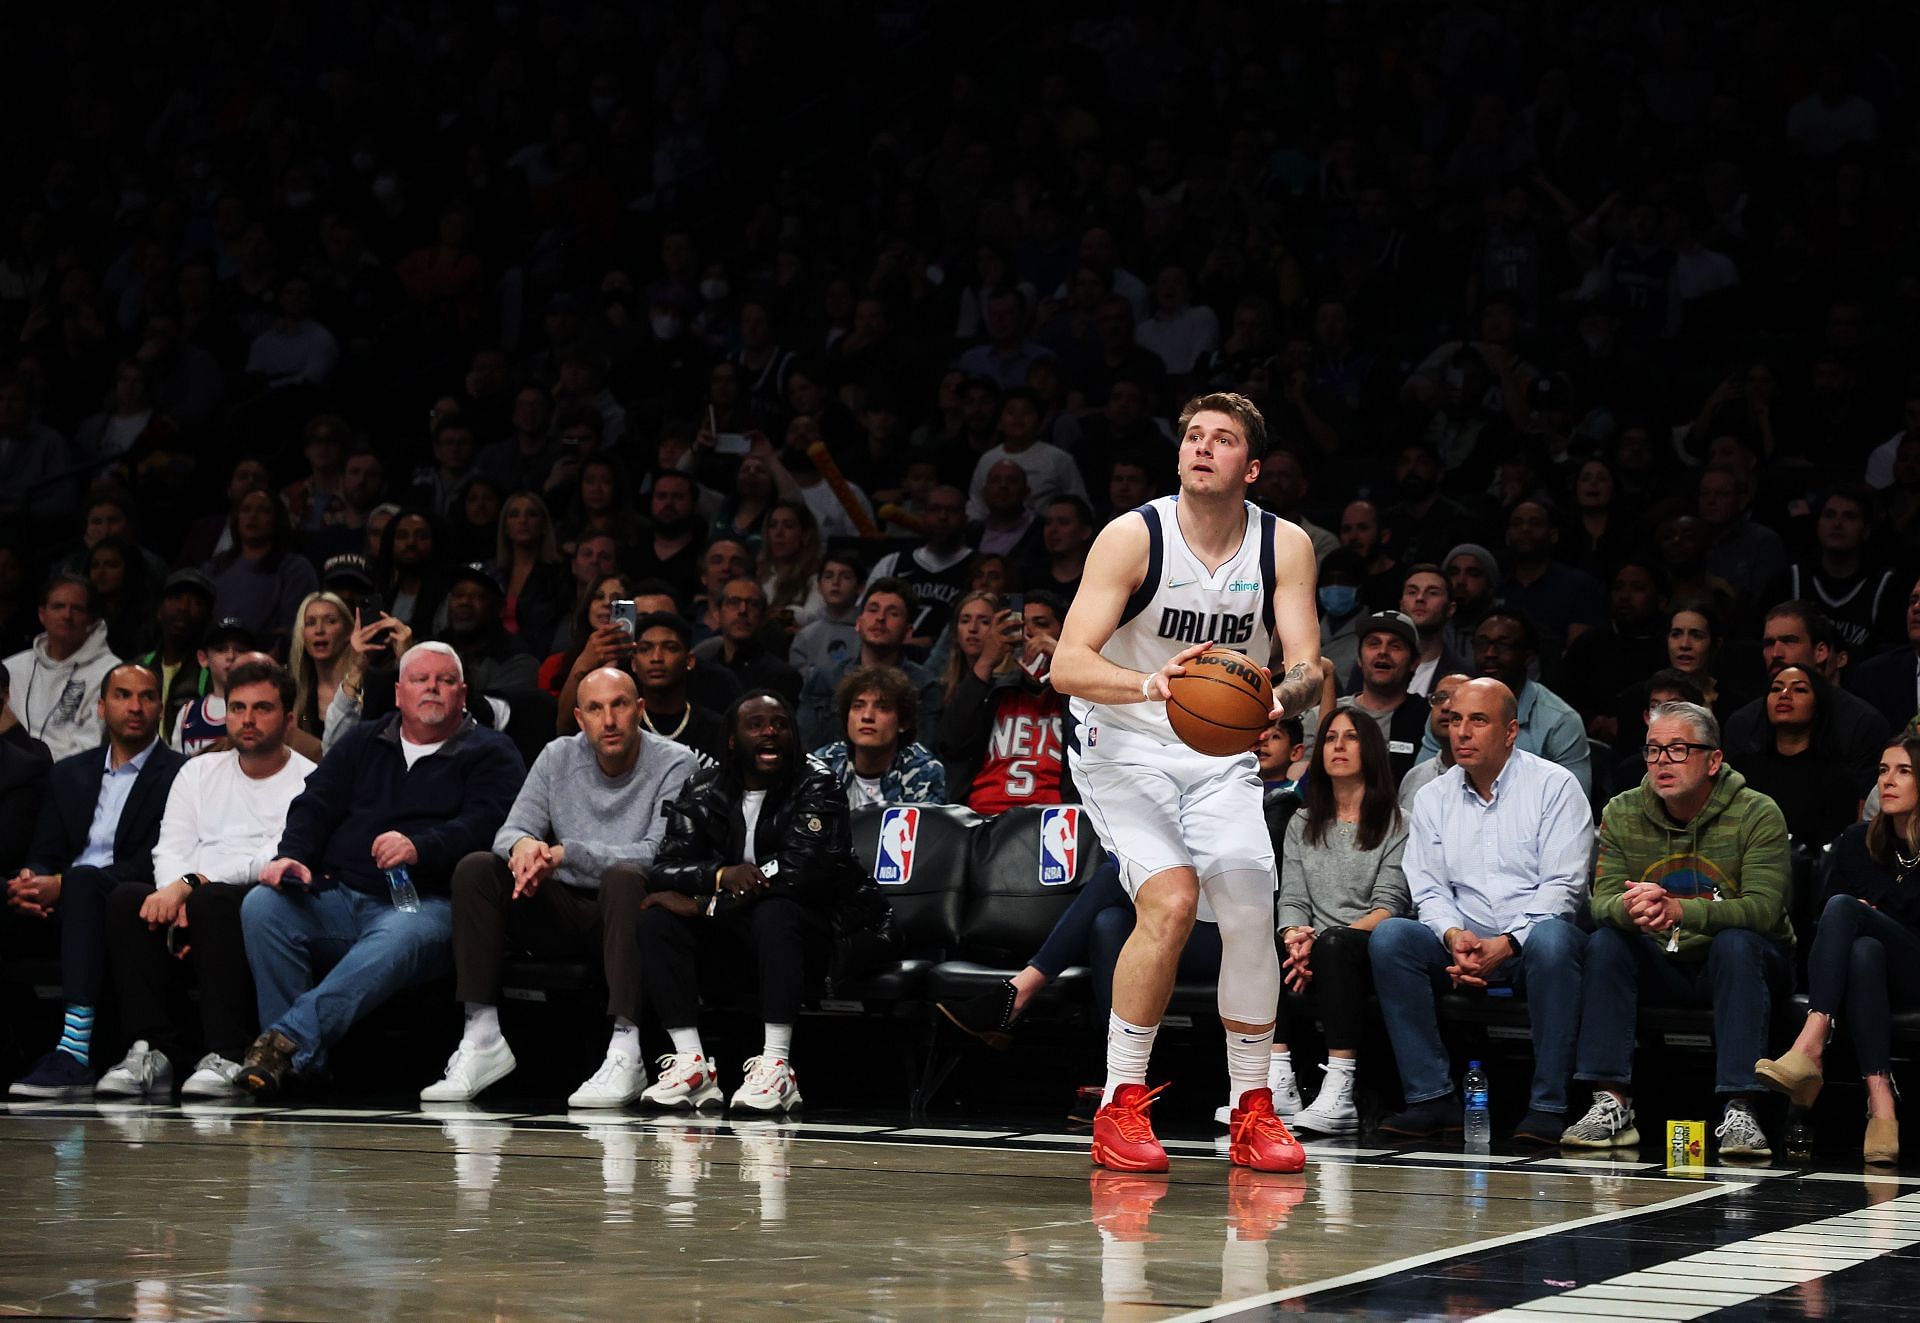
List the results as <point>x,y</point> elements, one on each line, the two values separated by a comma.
<point>415,790</point>
<point>97,830</point>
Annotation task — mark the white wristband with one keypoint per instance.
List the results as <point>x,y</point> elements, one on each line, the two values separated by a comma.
<point>1146,688</point>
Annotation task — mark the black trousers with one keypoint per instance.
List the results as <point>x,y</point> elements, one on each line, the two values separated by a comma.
<point>776,940</point>
<point>145,973</point>
<point>1342,978</point>
<point>555,922</point>
<point>83,932</point>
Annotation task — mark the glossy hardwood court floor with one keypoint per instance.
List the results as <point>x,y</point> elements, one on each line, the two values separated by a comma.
<point>357,1213</point>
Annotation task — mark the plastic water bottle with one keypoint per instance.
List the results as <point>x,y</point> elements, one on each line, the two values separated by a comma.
<point>400,883</point>
<point>1479,1119</point>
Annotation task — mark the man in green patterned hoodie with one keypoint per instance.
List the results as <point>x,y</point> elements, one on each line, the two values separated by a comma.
<point>1690,899</point>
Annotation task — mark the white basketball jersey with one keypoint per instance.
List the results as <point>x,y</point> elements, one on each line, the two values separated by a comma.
<point>1178,604</point>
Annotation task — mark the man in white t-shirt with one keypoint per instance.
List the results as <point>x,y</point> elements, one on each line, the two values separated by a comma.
<point>1050,470</point>
<point>1179,332</point>
<point>224,815</point>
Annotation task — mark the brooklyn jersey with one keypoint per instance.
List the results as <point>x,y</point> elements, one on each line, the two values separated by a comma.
<point>1178,604</point>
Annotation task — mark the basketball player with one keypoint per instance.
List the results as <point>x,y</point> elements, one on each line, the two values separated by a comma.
<point>1163,583</point>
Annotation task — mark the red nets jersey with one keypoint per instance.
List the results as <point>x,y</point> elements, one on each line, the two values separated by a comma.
<point>1024,753</point>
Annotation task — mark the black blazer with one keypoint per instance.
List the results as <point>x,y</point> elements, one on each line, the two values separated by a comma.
<point>1887,682</point>
<point>73,790</point>
<point>23,789</point>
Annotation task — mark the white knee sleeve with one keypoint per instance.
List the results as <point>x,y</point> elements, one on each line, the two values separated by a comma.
<point>1249,987</point>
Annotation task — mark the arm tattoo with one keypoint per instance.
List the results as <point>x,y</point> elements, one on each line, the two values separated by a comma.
<point>1295,692</point>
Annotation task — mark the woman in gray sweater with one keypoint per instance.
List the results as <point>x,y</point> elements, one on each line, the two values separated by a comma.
<point>1340,875</point>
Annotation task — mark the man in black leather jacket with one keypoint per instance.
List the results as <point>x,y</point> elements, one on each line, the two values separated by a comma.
<point>758,854</point>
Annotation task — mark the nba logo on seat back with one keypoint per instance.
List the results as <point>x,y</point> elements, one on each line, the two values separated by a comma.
<point>1059,845</point>
<point>893,862</point>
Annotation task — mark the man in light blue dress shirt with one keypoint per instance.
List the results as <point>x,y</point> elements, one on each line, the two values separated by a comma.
<point>1498,857</point>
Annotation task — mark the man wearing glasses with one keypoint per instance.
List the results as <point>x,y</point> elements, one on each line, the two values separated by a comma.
<point>1690,898</point>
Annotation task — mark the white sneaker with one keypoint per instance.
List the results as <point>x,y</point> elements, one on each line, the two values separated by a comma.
<point>144,1073</point>
<point>1740,1134</point>
<point>214,1077</point>
<point>686,1079</point>
<point>1333,1112</point>
<point>469,1070</point>
<point>618,1082</point>
<point>1286,1095</point>
<point>1607,1124</point>
<point>770,1086</point>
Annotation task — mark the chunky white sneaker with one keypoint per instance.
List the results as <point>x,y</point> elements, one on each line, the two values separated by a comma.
<point>1740,1134</point>
<point>686,1079</point>
<point>618,1082</point>
<point>1333,1112</point>
<point>214,1077</point>
<point>1607,1124</point>
<point>770,1086</point>
<point>469,1070</point>
<point>144,1073</point>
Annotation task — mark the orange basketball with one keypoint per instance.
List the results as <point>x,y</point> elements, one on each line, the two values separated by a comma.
<point>1223,702</point>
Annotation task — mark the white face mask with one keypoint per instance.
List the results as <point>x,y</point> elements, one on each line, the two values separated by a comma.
<point>665,325</point>
<point>713,289</point>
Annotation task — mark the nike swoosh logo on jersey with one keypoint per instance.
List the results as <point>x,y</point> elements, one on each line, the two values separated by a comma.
<point>1181,583</point>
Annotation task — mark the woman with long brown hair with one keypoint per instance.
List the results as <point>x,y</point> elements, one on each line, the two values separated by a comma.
<point>1865,962</point>
<point>1340,876</point>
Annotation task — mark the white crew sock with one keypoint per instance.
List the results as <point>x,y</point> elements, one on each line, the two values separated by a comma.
<point>1247,1057</point>
<point>1342,1063</point>
<point>1129,1049</point>
<point>626,1038</point>
<point>686,1040</point>
<point>483,1026</point>
<point>1279,1069</point>
<point>779,1042</point>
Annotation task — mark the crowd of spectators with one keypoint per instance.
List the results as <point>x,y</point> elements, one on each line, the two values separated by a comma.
<point>362,365</point>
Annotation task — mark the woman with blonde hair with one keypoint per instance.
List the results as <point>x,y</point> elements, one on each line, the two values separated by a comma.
<point>527,554</point>
<point>319,657</point>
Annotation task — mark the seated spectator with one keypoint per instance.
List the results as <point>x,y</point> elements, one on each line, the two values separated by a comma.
<point>936,571</point>
<point>1473,581</point>
<point>1003,725</point>
<point>492,660</point>
<point>1854,731</point>
<point>1050,471</point>
<point>318,658</point>
<point>1743,551</point>
<point>1689,899</point>
<point>1563,602</point>
<point>224,817</point>
<point>1388,646</point>
<point>565,879</point>
<point>1066,535</point>
<point>788,564</point>
<point>592,558</point>
<point>439,485</point>
<point>767,898</point>
<point>878,761</point>
<point>1816,793</point>
<point>1007,355</point>
<point>1340,877</point>
<point>663,663</point>
<point>601,506</point>
<point>1439,726</point>
<point>1857,592</point>
<point>54,686</point>
<point>673,552</point>
<point>181,619</point>
<point>535,589</point>
<point>24,767</point>
<point>886,613</point>
<point>365,864</point>
<point>1865,961</point>
<point>1504,650</point>
<point>1009,529</point>
<point>741,649</point>
<point>1280,748</point>
<point>596,642</point>
<point>261,581</point>
<point>724,560</point>
<point>1484,917</point>
<point>1342,575</point>
<point>122,593</point>
<point>829,638</point>
<point>203,721</point>
<point>104,806</point>
<point>1426,601</point>
<point>1361,533</point>
<point>410,569</point>
<point>1636,704</point>
<point>1695,638</point>
<point>1632,643</point>
<point>1890,682</point>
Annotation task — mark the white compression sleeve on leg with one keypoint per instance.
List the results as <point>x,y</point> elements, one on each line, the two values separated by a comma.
<point>1249,987</point>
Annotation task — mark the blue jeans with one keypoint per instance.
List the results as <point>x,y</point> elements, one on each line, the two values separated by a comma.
<point>1739,979</point>
<point>1410,969</point>
<point>374,949</point>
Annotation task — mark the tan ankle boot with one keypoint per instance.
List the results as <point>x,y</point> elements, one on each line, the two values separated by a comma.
<point>1793,1074</point>
<point>1883,1142</point>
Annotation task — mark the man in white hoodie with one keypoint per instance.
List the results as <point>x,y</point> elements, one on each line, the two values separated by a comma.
<point>56,682</point>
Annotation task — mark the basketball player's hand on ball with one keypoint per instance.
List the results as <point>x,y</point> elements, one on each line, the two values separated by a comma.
<point>1159,684</point>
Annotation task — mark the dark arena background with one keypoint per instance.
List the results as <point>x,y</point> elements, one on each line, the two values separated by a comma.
<point>649,357</point>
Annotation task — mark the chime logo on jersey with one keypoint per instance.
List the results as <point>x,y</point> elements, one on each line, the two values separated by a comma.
<point>893,862</point>
<point>1205,626</point>
<point>1059,845</point>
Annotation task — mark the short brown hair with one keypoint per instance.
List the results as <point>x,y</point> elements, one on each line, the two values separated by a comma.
<point>893,686</point>
<point>1238,407</point>
<point>265,672</point>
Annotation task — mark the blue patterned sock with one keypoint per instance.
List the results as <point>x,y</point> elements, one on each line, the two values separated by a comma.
<point>76,1035</point>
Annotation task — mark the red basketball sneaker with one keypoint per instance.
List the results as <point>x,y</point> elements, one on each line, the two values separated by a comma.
<point>1123,1136</point>
<point>1258,1138</point>
<point>1261,1203</point>
<point>1123,1203</point>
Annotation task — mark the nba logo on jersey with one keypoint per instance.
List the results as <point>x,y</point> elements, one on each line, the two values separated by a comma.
<point>1059,845</point>
<point>893,862</point>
